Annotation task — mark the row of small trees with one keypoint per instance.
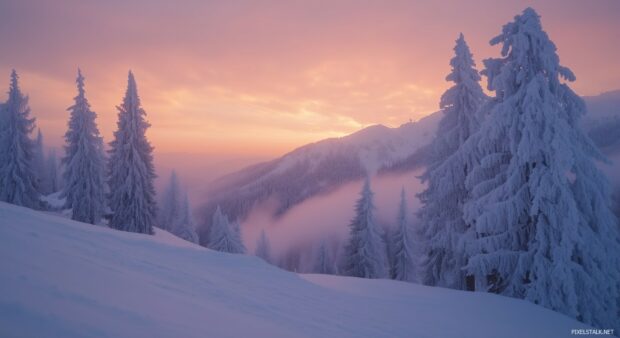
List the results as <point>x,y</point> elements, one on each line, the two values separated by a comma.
<point>119,187</point>
<point>515,203</point>
<point>225,236</point>
<point>369,252</point>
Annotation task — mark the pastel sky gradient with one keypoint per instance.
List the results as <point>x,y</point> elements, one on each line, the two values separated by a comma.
<point>261,77</point>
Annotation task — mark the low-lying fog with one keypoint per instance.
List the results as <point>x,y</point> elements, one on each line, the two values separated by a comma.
<point>326,217</point>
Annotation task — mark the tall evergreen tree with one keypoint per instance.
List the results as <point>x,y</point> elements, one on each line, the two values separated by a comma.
<point>403,260</point>
<point>170,209</point>
<point>174,213</point>
<point>443,231</point>
<point>52,179</point>
<point>223,236</point>
<point>3,114</point>
<point>544,228</point>
<point>365,253</point>
<point>235,227</point>
<point>263,248</point>
<point>18,182</point>
<point>388,238</point>
<point>39,164</point>
<point>323,264</point>
<point>186,228</point>
<point>130,168</point>
<point>84,179</point>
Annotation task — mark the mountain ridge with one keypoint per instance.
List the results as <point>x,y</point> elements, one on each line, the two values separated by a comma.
<point>319,167</point>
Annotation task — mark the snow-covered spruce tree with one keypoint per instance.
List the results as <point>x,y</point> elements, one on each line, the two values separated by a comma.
<point>223,236</point>
<point>174,213</point>
<point>402,251</point>
<point>235,227</point>
<point>130,168</point>
<point>387,236</point>
<point>442,230</point>
<point>84,162</point>
<point>365,253</point>
<point>39,164</point>
<point>544,228</point>
<point>170,209</point>
<point>3,114</point>
<point>323,262</point>
<point>52,176</point>
<point>185,228</point>
<point>18,182</point>
<point>615,198</point>
<point>263,248</point>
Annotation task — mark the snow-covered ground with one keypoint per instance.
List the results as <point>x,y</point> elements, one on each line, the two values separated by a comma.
<point>60,278</point>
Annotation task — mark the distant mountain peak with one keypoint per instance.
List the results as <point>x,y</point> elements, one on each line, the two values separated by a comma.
<point>322,166</point>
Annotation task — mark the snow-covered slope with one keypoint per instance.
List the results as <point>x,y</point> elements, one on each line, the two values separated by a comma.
<point>60,278</point>
<point>603,121</point>
<point>603,105</point>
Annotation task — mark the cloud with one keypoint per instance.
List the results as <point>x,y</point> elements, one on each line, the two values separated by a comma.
<point>263,77</point>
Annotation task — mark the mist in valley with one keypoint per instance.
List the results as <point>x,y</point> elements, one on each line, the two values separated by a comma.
<point>296,235</point>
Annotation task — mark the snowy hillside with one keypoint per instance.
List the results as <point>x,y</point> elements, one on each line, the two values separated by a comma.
<point>603,120</point>
<point>66,279</point>
<point>603,105</point>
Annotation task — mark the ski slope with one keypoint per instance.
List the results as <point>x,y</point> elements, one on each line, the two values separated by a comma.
<point>60,278</point>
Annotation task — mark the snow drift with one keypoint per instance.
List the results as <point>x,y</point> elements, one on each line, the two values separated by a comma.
<point>61,278</point>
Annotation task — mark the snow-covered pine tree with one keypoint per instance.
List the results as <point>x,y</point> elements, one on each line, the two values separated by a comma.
<point>323,262</point>
<point>169,211</point>
<point>52,179</point>
<point>18,182</point>
<point>387,235</point>
<point>263,248</point>
<point>84,162</point>
<point>365,253</point>
<point>130,168</point>
<point>403,256</point>
<point>544,228</point>
<point>615,198</point>
<point>174,213</point>
<point>442,229</point>
<point>236,230</point>
<point>3,125</point>
<point>185,228</point>
<point>2,115</point>
<point>39,164</point>
<point>223,236</point>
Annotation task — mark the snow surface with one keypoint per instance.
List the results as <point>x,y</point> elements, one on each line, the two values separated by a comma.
<point>60,278</point>
<point>54,200</point>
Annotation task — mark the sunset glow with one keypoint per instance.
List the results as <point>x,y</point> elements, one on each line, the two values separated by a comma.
<point>309,168</point>
<point>259,78</point>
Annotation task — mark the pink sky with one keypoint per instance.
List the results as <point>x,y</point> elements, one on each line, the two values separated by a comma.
<point>258,78</point>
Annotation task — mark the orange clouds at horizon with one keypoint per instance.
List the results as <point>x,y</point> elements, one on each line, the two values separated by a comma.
<point>260,78</point>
